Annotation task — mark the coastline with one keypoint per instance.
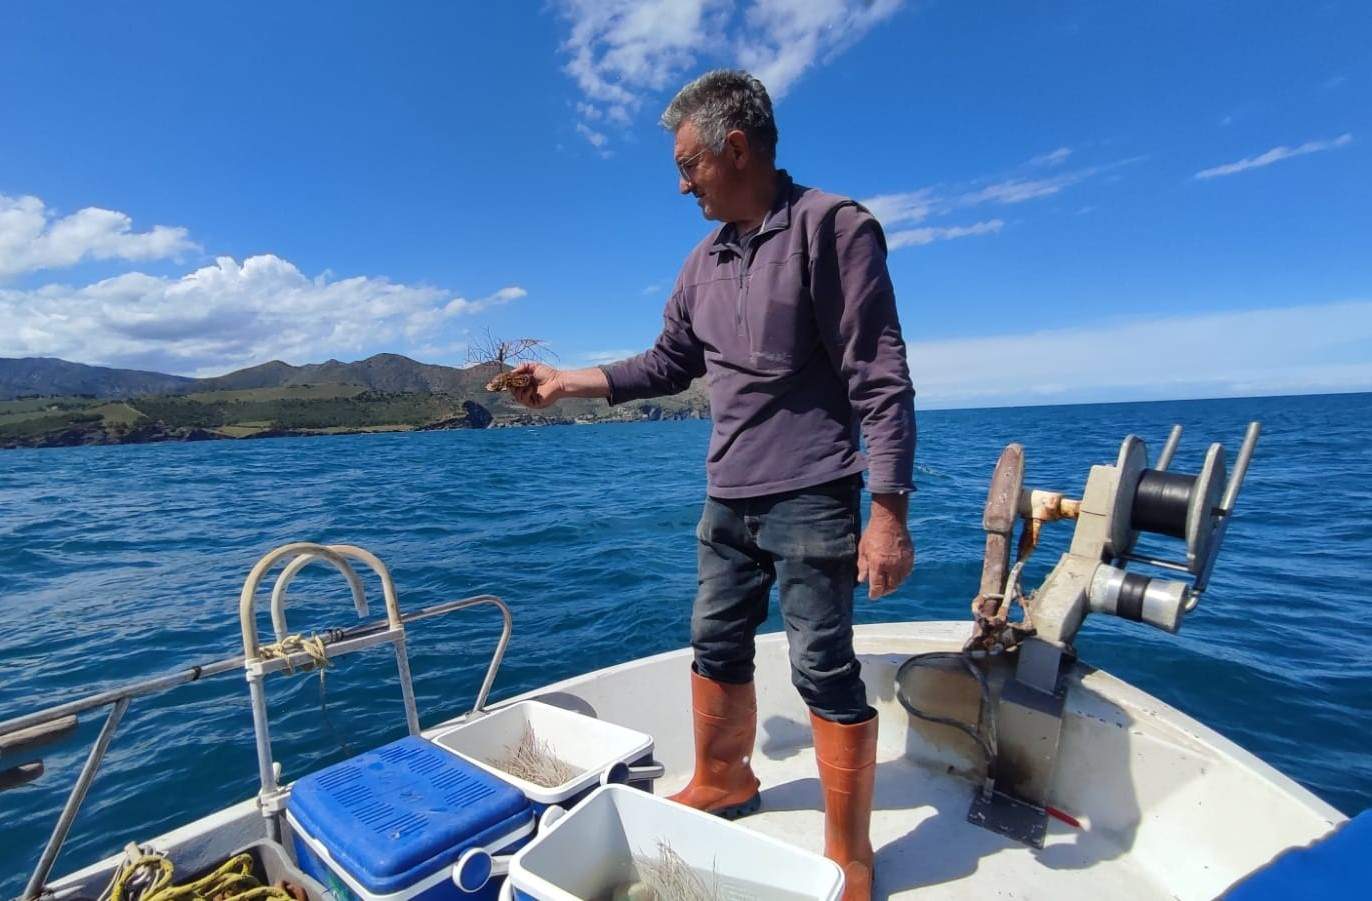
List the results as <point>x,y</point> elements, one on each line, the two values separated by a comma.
<point>100,434</point>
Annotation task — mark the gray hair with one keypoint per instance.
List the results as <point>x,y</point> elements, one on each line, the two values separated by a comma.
<point>719,102</point>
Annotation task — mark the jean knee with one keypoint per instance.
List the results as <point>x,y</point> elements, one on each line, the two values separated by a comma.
<point>725,661</point>
<point>723,645</point>
<point>829,681</point>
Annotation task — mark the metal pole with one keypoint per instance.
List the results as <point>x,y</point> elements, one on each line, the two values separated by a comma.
<point>180,677</point>
<point>1231,491</point>
<point>506,629</point>
<point>126,692</point>
<point>287,574</point>
<point>265,773</point>
<point>402,664</point>
<point>1159,563</point>
<point>1168,449</point>
<point>1226,510</point>
<point>78,795</point>
<point>507,626</point>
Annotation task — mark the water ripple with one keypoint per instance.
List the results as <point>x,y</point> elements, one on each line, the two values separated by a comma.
<point>127,561</point>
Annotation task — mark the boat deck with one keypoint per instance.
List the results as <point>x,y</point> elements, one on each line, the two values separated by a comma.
<point>926,848</point>
<point>1167,807</point>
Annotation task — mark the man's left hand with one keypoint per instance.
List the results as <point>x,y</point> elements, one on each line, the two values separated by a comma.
<point>886,553</point>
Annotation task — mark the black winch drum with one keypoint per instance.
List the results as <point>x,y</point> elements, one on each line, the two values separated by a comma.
<point>1173,503</point>
<point>1161,502</point>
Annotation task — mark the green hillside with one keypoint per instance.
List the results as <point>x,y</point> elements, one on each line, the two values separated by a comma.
<point>295,410</point>
<point>385,392</point>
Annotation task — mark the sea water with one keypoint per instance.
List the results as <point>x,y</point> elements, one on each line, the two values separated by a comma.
<point>118,563</point>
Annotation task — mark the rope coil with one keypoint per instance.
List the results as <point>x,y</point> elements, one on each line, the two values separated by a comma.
<point>147,876</point>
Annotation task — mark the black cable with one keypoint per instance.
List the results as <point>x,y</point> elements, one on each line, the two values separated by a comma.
<point>987,743</point>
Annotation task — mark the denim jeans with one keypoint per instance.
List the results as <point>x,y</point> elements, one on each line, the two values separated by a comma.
<point>805,541</point>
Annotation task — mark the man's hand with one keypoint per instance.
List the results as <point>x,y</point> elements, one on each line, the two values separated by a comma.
<point>550,385</point>
<point>545,389</point>
<point>886,553</point>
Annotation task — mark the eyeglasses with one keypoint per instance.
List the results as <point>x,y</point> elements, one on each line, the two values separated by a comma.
<point>688,165</point>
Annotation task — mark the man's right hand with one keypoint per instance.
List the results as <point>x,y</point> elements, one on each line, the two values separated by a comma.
<point>545,389</point>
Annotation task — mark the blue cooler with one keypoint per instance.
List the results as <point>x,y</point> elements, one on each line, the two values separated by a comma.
<point>389,824</point>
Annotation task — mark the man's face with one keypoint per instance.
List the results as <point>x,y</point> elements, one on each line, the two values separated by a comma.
<point>713,179</point>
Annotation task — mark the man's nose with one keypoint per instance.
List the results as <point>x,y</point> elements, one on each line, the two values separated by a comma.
<point>683,184</point>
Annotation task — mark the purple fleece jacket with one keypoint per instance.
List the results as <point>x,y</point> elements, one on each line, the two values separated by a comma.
<point>797,335</point>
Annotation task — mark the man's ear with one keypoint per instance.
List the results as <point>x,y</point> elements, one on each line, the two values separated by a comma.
<point>737,149</point>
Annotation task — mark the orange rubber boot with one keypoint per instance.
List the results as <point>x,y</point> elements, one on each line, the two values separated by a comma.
<point>725,722</point>
<point>847,757</point>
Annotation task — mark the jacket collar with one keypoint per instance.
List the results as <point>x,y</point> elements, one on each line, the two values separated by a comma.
<point>777,219</point>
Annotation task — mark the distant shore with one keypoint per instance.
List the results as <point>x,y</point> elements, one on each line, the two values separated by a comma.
<point>99,432</point>
<point>47,402</point>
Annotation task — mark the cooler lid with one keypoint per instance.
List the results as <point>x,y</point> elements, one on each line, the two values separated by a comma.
<point>394,815</point>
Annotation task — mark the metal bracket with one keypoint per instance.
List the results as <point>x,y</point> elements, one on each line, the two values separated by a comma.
<point>1028,733</point>
<point>1011,817</point>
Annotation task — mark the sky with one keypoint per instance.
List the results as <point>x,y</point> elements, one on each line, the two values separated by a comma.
<point>1082,201</point>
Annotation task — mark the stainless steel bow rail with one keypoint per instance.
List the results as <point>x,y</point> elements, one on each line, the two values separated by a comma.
<point>23,738</point>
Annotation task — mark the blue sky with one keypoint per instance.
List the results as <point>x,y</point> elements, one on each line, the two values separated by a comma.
<point>1084,201</point>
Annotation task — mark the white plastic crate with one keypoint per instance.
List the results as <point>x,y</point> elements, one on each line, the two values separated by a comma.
<point>590,851</point>
<point>592,747</point>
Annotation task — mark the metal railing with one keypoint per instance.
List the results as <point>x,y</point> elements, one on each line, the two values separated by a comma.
<point>21,736</point>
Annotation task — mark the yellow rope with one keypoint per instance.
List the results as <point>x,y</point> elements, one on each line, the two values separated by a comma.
<point>230,881</point>
<point>136,861</point>
<point>295,644</point>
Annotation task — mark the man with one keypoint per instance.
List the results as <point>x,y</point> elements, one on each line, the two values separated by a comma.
<point>788,312</point>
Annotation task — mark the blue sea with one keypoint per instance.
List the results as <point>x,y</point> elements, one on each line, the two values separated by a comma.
<point>123,562</point>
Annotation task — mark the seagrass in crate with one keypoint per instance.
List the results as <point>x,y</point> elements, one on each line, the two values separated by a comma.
<point>620,842</point>
<point>528,739</point>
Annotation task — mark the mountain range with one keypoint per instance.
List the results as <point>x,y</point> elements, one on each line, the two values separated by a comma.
<point>393,373</point>
<point>46,402</point>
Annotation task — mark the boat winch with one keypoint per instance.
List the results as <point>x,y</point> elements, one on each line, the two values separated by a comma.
<point>1015,667</point>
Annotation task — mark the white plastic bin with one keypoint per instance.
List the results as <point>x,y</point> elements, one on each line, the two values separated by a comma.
<point>591,746</point>
<point>590,851</point>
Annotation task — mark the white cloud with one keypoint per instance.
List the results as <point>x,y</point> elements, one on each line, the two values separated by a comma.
<point>1018,190</point>
<point>624,52</point>
<point>915,237</point>
<point>915,207</point>
<point>228,315</point>
<point>459,306</point>
<point>1054,158</point>
<point>1275,155</point>
<point>32,237</point>
<point>1299,349</point>
<point>912,206</point>
<point>623,49</point>
<point>597,139</point>
<point>784,38</point>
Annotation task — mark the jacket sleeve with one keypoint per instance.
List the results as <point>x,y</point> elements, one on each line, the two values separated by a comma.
<point>855,308</point>
<point>668,366</point>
